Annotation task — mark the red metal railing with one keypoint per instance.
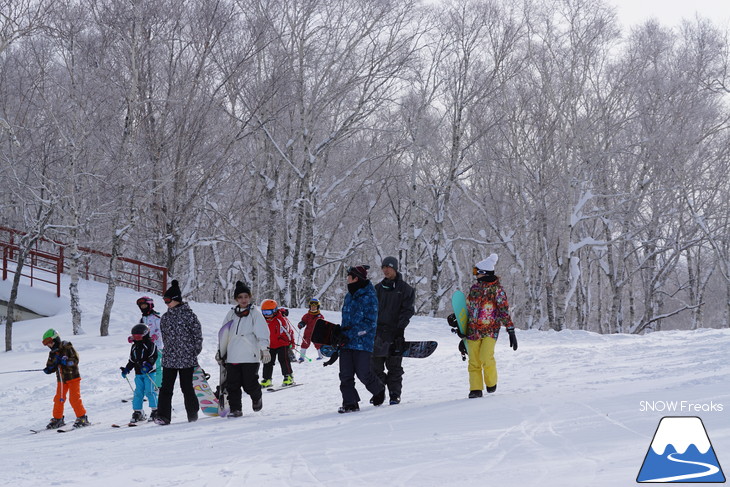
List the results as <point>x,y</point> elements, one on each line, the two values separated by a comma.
<point>47,259</point>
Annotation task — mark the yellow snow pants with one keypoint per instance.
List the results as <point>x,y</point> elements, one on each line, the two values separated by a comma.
<point>482,366</point>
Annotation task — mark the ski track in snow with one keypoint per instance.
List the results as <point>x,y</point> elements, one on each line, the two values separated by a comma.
<point>566,413</point>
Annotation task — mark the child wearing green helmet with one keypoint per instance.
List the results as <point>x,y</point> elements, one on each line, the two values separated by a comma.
<point>64,361</point>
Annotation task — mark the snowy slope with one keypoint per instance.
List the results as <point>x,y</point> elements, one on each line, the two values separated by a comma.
<point>570,411</point>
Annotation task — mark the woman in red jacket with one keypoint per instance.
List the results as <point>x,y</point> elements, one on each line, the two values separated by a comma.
<point>281,340</point>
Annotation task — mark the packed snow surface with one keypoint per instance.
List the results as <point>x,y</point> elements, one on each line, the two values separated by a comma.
<point>572,409</point>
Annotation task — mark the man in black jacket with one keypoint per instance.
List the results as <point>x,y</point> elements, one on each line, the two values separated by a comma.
<point>395,308</point>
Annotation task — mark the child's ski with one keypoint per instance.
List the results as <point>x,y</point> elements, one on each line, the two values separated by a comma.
<point>68,430</point>
<point>274,389</point>
<point>140,423</point>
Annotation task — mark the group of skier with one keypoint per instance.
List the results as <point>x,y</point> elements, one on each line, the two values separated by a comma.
<point>374,319</point>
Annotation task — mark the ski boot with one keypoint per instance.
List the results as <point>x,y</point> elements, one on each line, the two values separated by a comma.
<point>138,416</point>
<point>394,400</point>
<point>257,405</point>
<point>266,383</point>
<point>235,414</point>
<point>288,381</point>
<point>378,398</point>
<point>162,421</point>
<point>475,394</point>
<point>348,408</point>
<point>153,415</point>
<point>492,389</point>
<point>81,421</point>
<point>55,423</point>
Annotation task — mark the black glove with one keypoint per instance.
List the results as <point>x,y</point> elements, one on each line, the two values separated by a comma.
<point>332,359</point>
<point>396,348</point>
<point>453,322</point>
<point>462,350</point>
<point>512,339</point>
<point>124,371</point>
<point>458,333</point>
<point>301,325</point>
<point>50,369</point>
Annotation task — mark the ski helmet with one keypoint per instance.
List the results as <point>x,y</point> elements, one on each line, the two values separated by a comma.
<point>139,331</point>
<point>50,336</point>
<point>269,307</point>
<point>313,302</point>
<point>146,300</point>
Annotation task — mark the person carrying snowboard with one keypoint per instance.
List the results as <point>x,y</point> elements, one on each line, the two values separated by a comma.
<point>281,340</point>
<point>487,311</point>
<point>183,337</point>
<point>359,321</point>
<point>64,361</point>
<point>243,342</point>
<point>307,322</point>
<point>142,358</point>
<point>151,318</point>
<point>396,301</point>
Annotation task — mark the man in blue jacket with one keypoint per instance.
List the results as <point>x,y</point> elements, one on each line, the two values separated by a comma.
<point>359,321</point>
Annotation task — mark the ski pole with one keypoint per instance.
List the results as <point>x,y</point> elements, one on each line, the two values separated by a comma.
<point>63,384</point>
<point>130,384</point>
<point>18,371</point>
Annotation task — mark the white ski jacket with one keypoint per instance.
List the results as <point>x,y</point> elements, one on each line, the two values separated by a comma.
<point>241,339</point>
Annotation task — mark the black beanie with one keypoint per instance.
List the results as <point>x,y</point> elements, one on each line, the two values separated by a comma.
<point>240,289</point>
<point>359,271</point>
<point>173,293</point>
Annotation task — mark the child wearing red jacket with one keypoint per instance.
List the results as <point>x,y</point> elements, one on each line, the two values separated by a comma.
<point>281,340</point>
<point>307,322</point>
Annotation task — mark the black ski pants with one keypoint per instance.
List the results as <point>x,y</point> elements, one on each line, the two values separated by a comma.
<point>282,353</point>
<point>356,363</point>
<point>393,378</point>
<point>244,376</point>
<point>164,404</point>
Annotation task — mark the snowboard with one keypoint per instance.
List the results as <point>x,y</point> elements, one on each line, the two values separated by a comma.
<point>420,349</point>
<point>221,391</point>
<point>417,349</point>
<point>458,303</point>
<point>326,333</point>
<point>206,398</point>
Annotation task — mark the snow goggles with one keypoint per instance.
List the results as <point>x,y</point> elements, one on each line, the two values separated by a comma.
<point>47,341</point>
<point>268,312</point>
<point>135,338</point>
<point>476,271</point>
<point>167,300</point>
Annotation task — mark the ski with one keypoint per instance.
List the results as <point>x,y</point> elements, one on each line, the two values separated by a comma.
<point>68,430</point>
<point>35,432</point>
<point>274,389</point>
<point>140,423</point>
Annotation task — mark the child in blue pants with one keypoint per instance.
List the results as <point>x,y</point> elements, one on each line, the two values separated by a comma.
<point>142,359</point>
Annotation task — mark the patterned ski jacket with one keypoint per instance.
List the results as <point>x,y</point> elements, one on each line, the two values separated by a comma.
<point>281,333</point>
<point>360,317</point>
<point>68,371</point>
<point>141,352</point>
<point>241,338</point>
<point>183,337</point>
<point>487,310</point>
<point>152,321</point>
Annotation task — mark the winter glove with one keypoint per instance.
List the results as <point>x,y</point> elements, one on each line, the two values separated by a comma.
<point>396,348</point>
<point>453,322</point>
<point>125,371</point>
<point>284,312</point>
<point>458,333</point>
<point>65,361</point>
<point>265,356</point>
<point>512,339</point>
<point>301,325</point>
<point>146,367</point>
<point>50,369</point>
<point>219,359</point>
<point>332,359</point>
<point>462,350</point>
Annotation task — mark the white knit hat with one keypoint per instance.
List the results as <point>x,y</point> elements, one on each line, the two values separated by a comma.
<point>488,263</point>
